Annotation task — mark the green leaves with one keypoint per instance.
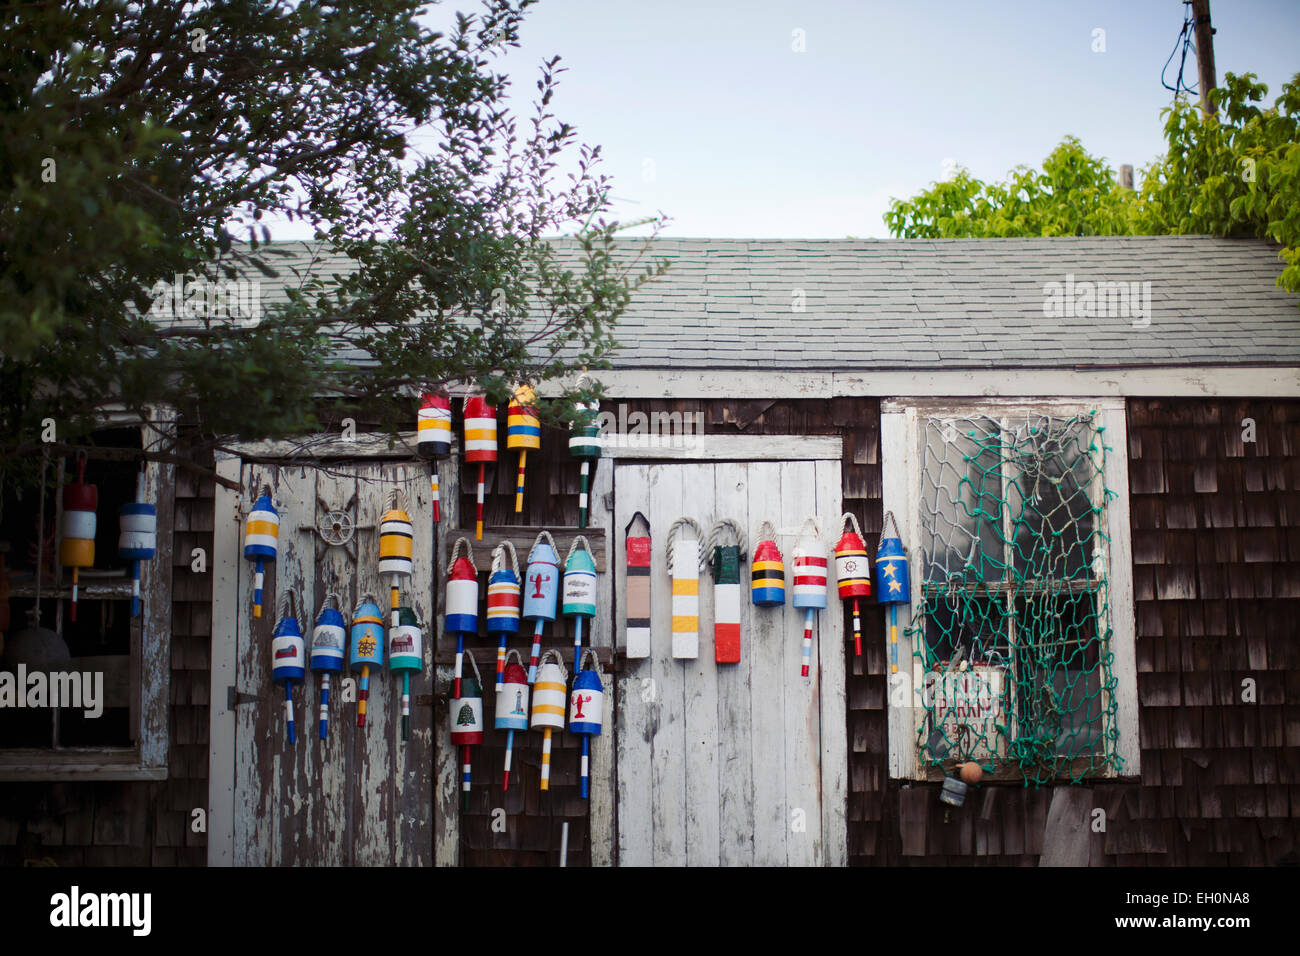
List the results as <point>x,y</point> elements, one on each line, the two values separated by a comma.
<point>1234,177</point>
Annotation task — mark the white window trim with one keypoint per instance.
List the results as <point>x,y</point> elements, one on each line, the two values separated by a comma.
<point>151,632</point>
<point>901,490</point>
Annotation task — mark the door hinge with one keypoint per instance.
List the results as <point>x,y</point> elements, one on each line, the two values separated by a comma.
<point>234,698</point>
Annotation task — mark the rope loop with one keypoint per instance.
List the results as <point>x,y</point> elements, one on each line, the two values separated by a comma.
<point>699,539</point>
<point>499,557</point>
<point>469,554</point>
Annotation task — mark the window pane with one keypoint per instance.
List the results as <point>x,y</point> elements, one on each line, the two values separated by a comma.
<point>1050,497</point>
<point>961,500</point>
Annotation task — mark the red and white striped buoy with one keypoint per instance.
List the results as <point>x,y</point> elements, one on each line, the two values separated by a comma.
<point>809,585</point>
<point>480,446</point>
<point>853,572</point>
<point>433,437</point>
<point>77,546</point>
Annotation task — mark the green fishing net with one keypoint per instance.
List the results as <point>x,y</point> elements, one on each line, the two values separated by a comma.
<point>1013,633</point>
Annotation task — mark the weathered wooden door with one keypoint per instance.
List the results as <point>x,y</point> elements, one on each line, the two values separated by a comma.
<point>364,796</point>
<point>731,764</point>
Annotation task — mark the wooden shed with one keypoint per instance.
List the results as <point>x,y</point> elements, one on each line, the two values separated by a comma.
<point>1091,452</point>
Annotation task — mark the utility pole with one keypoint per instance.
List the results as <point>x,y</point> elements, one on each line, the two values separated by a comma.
<point>1204,53</point>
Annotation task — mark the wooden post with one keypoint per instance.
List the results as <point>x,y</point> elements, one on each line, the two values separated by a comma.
<point>1204,53</point>
<point>1126,176</point>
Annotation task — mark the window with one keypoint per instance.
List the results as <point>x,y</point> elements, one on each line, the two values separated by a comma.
<point>1020,632</point>
<point>100,711</point>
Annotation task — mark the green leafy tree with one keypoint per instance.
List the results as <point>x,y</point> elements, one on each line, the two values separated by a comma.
<point>1235,176</point>
<point>141,140</point>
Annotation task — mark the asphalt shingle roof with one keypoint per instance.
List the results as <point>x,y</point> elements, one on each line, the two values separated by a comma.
<point>953,303</point>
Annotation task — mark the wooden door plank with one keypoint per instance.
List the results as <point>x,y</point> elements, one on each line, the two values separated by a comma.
<point>633,730</point>
<point>255,767</point>
<point>225,562</point>
<point>601,809</point>
<point>802,718</point>
<point>667,709</point>
<point>336,490</point>
<point>412,758</point>
<point>372,827</point>
<point>297,788</point>
<point>735,757</point>
<point>446,775</point>
<point>834,757</point>
<point>770,628</point>
<point>701,692</point>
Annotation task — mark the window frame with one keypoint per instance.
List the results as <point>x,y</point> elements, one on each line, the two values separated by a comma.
<point>150,665</point>
<point>902,429</point>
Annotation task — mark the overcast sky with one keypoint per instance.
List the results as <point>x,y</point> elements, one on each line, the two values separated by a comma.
<point>707,112</point>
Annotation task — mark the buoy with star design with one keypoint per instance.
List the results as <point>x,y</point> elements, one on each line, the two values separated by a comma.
<point>892,581</point>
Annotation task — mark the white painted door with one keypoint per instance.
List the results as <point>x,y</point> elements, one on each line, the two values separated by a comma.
<point>362,797</point>
<point>731,764</point>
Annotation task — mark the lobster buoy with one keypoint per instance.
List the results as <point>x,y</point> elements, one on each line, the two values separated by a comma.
<point>852,572</point>
<point>504,599</point>
<point>541,589</point>
<point>549,696</point>
<point>512,707</point>
<point>685,562</point>
<point>77,546</point>
<point>467,722</point>
<point>433,437</point>
<point>367,649</point>
<point>462,601</point>
<point>327,641</point>
<point>406,657</point>
<point>579,600</point>
<point>260,536</point>
<point>767,570</point>
<point>638,589</point>
<point>523,433</point>
<point>586,445</point>
<point>396,545</point>
<point>137,538</point>
<point>586,708</point>
<point>288,657</point>
<point>809,567</point>
<point>893,583</point>
<point>726,560</point>
<point>480,446</point>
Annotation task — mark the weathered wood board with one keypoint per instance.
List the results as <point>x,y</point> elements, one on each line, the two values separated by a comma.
<point>731,764</point>
<point>364,796</point>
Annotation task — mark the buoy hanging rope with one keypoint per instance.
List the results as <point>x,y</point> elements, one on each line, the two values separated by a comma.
<point>809,585</point>
<point>638,589</point>
<point>725,559</point>
<point>685,562</point>
<point>504,597</point>
<point>852,572</point>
